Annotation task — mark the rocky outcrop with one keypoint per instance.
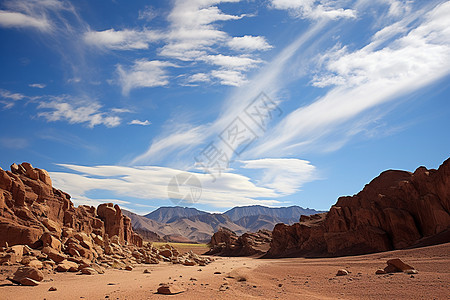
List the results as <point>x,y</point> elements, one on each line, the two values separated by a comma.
<point>34,213</point>
<point>40,229</point>
<point>226,243</point>
<point>396,210</point>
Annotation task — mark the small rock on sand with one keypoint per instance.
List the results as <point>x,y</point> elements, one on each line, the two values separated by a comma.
<point>28,281</point>
<point>342,272</point>
<point>88,271</point>
<point>380,272</point>
<point>399,265</point>
<point>28,276</point>
<point>170,289</point>
<point>52,289</point>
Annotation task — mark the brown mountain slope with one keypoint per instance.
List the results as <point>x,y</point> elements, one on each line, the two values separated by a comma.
<point>197,228</point>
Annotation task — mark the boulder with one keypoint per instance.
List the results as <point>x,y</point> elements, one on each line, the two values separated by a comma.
<point>342,272</point>
<point>28,272</point>
<point>48,240</point>
<point>98,269</point>
<point>166,253</point>
<point>15,253</point>
<point>226,243</point>
<point>67,266</point>
<point>88,271</point>
<point>35,264</point>
<point>54,254</point>
<point>189,262</point>
<point>52,226</point>
<point>28,281</point>
<point>398,265</point>
<point>170,289</point>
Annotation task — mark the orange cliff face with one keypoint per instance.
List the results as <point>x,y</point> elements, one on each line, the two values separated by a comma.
<point>396,210</point>
<point>30,207</point>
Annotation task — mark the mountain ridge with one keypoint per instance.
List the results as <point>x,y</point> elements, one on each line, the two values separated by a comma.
<point>171,223</point>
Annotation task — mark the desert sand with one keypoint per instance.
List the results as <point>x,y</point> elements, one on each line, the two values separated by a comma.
<point>289,278</point>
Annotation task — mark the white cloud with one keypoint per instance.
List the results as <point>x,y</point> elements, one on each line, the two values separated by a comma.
<point>20,20</point>
<point>231,62</point>
<point>193,35</point>
<point>193,31</point>
<point>8,98</point>
<point>37,85</point>
<point>230,77</point>
<point>183,137</point>
<point>314,9</point>
<point>147,14</point>
<point>151,183</point>
<point>77,112</point>
<point>36,14</point>
<point>199,77</point>
<point>284,175</point>
<point>139,122</point>
<point>144,73</point>
<point>5,94</point>
<point>399,7</point>
<point>249,43</point>
<point>121,39</point>
<point>364,79</point>
<point>268,81</point>
<point>121,110</point>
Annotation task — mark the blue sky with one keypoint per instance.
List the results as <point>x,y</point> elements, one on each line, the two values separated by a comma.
<point>275,102</point>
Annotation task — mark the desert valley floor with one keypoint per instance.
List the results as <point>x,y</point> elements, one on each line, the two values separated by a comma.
<point>288,278</point>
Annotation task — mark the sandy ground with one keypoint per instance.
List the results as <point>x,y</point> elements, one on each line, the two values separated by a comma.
<point>294,278</point>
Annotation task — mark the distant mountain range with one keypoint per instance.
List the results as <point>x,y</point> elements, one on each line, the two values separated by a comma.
<point>185,224</point>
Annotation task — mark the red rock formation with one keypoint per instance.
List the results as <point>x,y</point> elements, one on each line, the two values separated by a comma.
<point>226,243</point>
<point>396,210</point>
<point>30,206</point>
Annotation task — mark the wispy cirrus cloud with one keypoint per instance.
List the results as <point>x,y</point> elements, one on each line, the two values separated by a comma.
<point>180,137</point>
<point>268,80</point>
<point>365,78</point>
<point>34,14</point>
<point>392,64</point>
<point>20,20</point>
